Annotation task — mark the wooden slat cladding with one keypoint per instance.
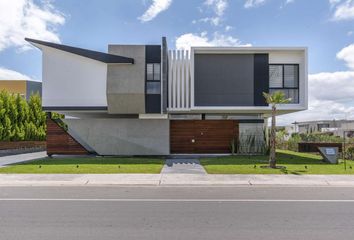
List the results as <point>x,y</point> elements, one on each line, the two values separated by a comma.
<point>22,145</point>
<point>60,142</point>
<point>202,136</point>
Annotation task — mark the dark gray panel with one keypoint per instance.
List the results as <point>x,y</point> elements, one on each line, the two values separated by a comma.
<point>99,56</point>
<point>73,108</point>
<point>153,53</point>
<point>153,103</point>
<point>223,79</point>
<point>33,87</point>
<point>164,75</point>
<point>261,78</point>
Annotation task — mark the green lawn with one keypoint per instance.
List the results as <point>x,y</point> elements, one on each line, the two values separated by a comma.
<point>295,163</point>
<point>88,165</point>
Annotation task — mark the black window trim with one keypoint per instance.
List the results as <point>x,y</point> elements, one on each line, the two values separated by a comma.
<point>283,79</point>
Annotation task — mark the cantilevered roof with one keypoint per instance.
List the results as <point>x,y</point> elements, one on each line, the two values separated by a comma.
<point>98,56</point>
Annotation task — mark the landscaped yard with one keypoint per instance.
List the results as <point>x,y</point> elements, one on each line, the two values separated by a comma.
<point>295,163</point>
<point>87,165</point>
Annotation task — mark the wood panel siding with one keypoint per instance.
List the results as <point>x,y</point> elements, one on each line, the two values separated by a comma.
<point>60,142</point>
<point>6,145</point>
<point>202,136</point>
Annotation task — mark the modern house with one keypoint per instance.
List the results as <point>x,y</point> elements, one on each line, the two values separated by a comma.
<point>23,87</point>
<point>148,100</point>
<point>336,127</point>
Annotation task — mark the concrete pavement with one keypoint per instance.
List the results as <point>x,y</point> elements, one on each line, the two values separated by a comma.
<point>259,212</point>
<point>172,179</point>
<point>183,166</point>
<point>11,159</point>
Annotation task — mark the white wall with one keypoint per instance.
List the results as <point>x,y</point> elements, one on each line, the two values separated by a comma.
<point>179,80</point>
<point>72,80</point>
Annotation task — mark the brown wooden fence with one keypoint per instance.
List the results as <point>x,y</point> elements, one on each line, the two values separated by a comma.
<point>60,142</point>
<point>22,145</point>
<point>313,147</point>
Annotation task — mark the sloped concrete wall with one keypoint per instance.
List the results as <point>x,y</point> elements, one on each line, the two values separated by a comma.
<point>123,136</point>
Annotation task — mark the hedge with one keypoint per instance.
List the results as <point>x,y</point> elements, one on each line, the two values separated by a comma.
<point>21,120</point>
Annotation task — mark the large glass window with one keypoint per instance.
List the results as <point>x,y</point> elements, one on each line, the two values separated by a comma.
<point>153,72</point>
<point>285,78</point>
<point>153,88</point>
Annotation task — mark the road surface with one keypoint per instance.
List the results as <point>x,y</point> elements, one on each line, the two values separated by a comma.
<point>100,213</point>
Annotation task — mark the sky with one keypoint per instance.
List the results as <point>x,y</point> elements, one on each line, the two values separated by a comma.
<point>326,27</point>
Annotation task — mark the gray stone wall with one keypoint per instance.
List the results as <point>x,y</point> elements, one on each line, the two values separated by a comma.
<point>126,83</point>
<point>116,136</point>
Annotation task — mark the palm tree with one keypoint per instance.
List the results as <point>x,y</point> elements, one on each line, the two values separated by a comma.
<point>274,99</point>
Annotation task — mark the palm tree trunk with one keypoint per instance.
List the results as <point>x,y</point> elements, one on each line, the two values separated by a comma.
<point>272,161</point>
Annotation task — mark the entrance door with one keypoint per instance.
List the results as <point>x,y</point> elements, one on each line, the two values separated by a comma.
<point>202,136</point>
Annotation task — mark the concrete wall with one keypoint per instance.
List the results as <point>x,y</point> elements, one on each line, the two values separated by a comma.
<point>123,136</point>
<point>33,88</point>
<point>126,83</point>
<point>223,80</point>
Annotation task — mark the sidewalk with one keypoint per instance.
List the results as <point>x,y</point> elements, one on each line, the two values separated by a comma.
<point>173,180</point>
<point>21,158</point>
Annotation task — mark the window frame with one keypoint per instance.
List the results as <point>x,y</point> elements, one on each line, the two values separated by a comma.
<point>153,76</point>
<point>283,79</point>
<point>153,72</point>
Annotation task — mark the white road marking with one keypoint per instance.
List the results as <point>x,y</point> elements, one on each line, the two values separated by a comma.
<point>175,200</point>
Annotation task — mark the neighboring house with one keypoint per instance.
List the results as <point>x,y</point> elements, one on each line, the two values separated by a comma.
<point>147,100</point>
<point>337,127</point>
<point>23,87</point>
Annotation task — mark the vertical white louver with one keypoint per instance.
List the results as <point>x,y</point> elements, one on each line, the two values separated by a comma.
<point>179,80</point>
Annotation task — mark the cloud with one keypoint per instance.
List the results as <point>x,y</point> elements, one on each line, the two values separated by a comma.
<point>155,8</point>
<point>219,7</point>
<point>330,93</point>
<point>334,2</point>
<point>253,3</point>
<point>212,20</point>
<point>332,86</point>
<point>186,41</point>
<point>344,10</point>
<point>347,55</point>
<point>24,18</point>
<point>289,1</point>
<point>228,28</point>
<point>7,74</point>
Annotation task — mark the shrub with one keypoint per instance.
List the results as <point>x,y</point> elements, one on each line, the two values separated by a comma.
<point>21,120</point>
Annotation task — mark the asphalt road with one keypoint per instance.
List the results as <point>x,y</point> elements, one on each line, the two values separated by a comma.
<point>100,213</point>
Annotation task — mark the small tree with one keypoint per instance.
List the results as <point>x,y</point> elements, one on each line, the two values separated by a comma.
<point>274,99</point>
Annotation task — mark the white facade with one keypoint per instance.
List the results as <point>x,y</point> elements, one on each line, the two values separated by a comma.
<point>70,80</point>
<point>181,79</point>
